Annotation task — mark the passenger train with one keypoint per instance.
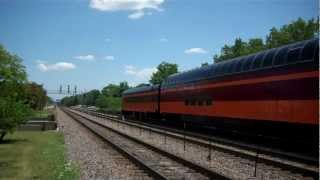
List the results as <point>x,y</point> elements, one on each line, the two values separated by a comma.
<point>273,92</point>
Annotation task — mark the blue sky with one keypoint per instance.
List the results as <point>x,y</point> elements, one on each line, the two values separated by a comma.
<point>91,43</point>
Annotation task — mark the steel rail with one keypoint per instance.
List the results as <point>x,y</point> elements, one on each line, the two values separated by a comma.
<point>203,170</point>
<point>249,152</point>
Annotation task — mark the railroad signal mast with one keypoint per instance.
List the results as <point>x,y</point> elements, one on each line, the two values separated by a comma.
<point>68,89</point>
<point>75,90</point>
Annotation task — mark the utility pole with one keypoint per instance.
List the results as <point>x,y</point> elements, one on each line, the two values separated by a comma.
<point>75,90</point>
<point>68,89</point>
<point>60,89</point>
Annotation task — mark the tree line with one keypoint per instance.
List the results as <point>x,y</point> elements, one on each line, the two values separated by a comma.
<point>109,98</point>
<point>19,98</point>
<point>295,31</point>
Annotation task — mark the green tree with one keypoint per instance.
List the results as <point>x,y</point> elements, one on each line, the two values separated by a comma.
<point>142,84</point>
<point>295,31</point>
<point>102,101</point>
<point>36,95</point>
<point>255,45</point>
<point>123,86</point>
<point>163,71</point>
<point>298,30</point>
<point>13,107</point>
<point>111,90</point>
<point>90,97</point>
<point>204,64</point>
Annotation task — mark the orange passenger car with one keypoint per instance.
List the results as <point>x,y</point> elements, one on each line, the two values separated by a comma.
<point>274,92</point>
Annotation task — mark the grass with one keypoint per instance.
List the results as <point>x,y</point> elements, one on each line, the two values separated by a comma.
<point>35,155</point>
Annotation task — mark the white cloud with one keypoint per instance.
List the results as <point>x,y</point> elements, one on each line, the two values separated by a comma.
<point>195,51</point>
<point>60,66</point>
<point>88,57</point>
<point>164,40</point>
<point>137,6</point>
<point>133,5</point>
<point>143,74</point>
<point>109,58</point>
<point>136,15</point>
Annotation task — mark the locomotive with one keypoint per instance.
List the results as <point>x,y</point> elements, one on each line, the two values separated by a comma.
<point>273,92</point>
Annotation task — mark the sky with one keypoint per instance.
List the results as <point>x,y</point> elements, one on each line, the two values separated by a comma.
<point>91,43</point>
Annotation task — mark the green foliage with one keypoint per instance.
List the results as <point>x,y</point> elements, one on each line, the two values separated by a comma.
<point>12,114</point>
<point>11,68</point>
<point>163,71</point>
<point>296,31</point>
<point>14,108</point>
<point>36,95</point>
<point>109,100</point>
<point>115,90</point>
<point>204,64</point>
<point>111,90</point>
<point>142,84</point>
<point>113,104</point>
<point>102,101</point>
<point>90,97</point>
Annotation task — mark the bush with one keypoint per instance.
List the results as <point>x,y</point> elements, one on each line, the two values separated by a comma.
<point>12,114</point>
<point>109,104</point>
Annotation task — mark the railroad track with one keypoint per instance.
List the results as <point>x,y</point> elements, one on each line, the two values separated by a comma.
<point>290,156</point>
<point>304,170</point>
<point>157,163</point>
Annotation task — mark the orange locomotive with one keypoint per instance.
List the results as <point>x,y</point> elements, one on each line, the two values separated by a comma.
<point>274,92</point>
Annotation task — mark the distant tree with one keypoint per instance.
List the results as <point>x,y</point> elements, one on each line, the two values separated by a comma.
<point>163,71</point>
<point>204,64</point>
<point>111,90</point>
<point>295,31</point>
<point>102,101</point>
<point>142,85</point>
<point>91,97</point>
<point>123,86</point>
<point>36,95</point>
<point>50,101</point>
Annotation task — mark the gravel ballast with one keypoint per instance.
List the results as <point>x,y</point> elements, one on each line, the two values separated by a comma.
<point>95,159</point>
<point>224,163</point>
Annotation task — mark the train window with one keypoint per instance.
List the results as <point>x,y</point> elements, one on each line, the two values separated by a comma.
<point>280,57</point>
<point>257,61</point>
<point>192,102</point>
<point>316,56</point>
<point>209,102</point>
<point>186,102</point>
<point>247,63</point>
<point>232,66</point>
<point>294,53</point>
<point>211,71</point>
<point>200,102</point>
<point>308,51</point>
<point>217,69</point>
<point>238,65</point>
<point>224,68</point>
<point>268,58</point>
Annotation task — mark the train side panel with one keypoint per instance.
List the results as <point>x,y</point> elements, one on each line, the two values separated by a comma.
<point>291,98</point>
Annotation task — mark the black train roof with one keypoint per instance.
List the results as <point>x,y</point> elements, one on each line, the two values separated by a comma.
<point>289,54</point>
<point>284,55</point>
<point>140,89</point>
